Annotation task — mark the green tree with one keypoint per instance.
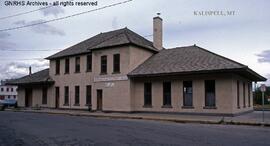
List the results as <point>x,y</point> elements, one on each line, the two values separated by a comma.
<point>258,96</point>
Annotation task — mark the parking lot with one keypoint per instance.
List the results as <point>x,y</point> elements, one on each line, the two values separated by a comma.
<point>18,128</point>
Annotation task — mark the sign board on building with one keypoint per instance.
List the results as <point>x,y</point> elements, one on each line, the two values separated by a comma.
<point>108,79</point>
<point>263,88</point>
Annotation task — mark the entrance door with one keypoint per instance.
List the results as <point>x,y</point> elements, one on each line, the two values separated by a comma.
<point>28,97</point>
<point>99,100</point>
<point>57,97</point>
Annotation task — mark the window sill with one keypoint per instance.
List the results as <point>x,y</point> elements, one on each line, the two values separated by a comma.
<point>167,106</point>
<point>244,106</point>
<point>210,107</point>
<point>147,106</point>
<point>65,104</point>
<point>116,72</point>
<point>187,107</point>
<point>66,73</point>
<point>88,104</point>
<point>57,74</point>
<point>76,72</point>
<point>76,105</point>
<point>238,107</point>
<point>103,74</point>
<point>88,70</point>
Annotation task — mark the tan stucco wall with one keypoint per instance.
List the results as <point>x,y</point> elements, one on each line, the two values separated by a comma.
<point>21,97</point>
<point>50,98</point>
<point>225,98</point>
<point>138,56</point>
<point>234,92</point>
<point>118,97</point>
<point>128,95</point>
<point>113,97</point>
<point>72,79</point>
<point>36,97</point>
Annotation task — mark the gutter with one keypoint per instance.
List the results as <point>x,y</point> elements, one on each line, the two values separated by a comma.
<point>234,70</point>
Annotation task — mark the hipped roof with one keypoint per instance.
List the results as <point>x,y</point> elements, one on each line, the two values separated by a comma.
<point>190,60</point>
<point>104,40</point>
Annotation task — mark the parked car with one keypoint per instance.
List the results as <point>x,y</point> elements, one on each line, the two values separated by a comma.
<point>2,107</point>
<point>8,103</point>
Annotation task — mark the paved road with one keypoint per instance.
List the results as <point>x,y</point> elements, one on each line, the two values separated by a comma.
<point>44,129</point>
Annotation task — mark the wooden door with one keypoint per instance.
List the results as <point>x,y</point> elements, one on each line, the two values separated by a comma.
<point>99,100</point>
<point>28,97</point>
<point>57,94</point>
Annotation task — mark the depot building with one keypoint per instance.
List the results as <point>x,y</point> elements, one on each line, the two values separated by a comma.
<point>121,71</point>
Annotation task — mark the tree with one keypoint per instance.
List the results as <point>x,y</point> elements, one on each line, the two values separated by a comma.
<point>258,96</point>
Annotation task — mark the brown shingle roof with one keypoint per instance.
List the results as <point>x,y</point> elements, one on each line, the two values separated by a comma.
<point>189,59</point>
<point>35,78</point>
<point>103,40</point>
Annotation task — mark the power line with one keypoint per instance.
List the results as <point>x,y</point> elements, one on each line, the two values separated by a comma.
<point>27,12</point>
<point>23,59</point>
<point>17,50</point>
<point>148,35</point>
<point>23,13</point>
<point>69,16</point>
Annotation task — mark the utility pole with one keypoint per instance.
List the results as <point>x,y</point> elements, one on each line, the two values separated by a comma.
<point>263,105</point>
<point>263,89</point>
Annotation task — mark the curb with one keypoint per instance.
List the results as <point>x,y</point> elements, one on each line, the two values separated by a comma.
<point>220,122</point>
<point>260,109</point>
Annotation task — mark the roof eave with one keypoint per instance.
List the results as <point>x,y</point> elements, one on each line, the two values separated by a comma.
<point>33,83</point>
<point>60,57</point>
<point>125,44</point>
<point>259,77</point>
<point>252,75</point>
<point>184,73</point>
<point>107,47</point>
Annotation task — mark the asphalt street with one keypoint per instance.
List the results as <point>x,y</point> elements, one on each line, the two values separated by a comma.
<point>33,129</point>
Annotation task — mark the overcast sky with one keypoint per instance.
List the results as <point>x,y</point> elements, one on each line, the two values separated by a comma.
<point>244,36</point>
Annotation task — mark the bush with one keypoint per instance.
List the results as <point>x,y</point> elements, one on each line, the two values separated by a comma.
<point>258,96</point>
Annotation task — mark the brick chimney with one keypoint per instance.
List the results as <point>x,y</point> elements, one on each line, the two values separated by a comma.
<point>30,70</point>
<point>157,32</point>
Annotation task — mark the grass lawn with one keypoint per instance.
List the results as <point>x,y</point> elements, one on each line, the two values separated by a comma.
<point>266,106</point>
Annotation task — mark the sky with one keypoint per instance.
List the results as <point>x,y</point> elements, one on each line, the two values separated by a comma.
<point>243,37</point>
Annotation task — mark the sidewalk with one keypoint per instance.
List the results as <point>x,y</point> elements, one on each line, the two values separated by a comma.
<point>254,118</point>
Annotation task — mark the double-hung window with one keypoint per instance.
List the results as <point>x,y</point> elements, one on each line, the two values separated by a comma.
<point>103,63</point>
<point>167,94</point>
<point>77,64</point>
<point>147,94</point>
<point>116,63</point>
<point>210,93</point>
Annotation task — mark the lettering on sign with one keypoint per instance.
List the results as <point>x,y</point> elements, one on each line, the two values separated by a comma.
<point>263,88</point>
<point>109,84</point>
<point>107,79</point>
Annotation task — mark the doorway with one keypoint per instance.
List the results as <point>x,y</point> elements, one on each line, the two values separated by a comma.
<point>28,97</point>
<point>99,100</point>
<point>57,94</point>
